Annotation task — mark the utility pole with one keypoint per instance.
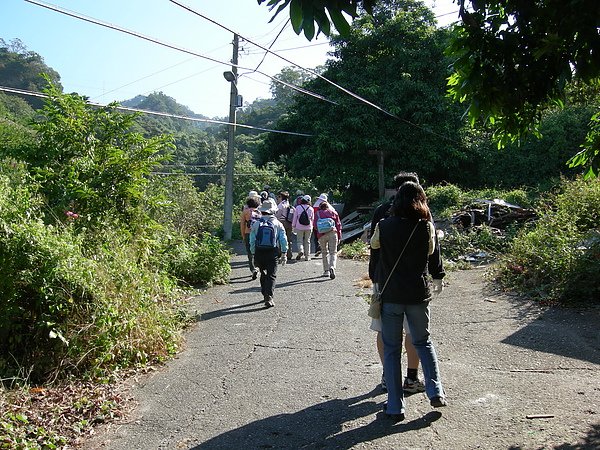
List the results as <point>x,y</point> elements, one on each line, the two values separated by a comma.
<point>227,218</point>
<point>380,165</point>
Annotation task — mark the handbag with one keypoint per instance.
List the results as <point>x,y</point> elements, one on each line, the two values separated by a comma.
<point>376,303</point>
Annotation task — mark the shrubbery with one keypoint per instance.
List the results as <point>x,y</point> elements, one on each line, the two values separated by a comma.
<point>558,258</point>
<point>91,246</point>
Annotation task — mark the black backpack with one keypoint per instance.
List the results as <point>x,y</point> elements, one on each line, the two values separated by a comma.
<point>303,219</point>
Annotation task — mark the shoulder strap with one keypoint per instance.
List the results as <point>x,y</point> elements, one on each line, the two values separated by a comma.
<point>399,257</point>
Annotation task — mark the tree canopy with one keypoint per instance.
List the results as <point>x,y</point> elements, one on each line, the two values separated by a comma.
<point>21,68</point>
<point>393,58</point>
<point>511,58</point>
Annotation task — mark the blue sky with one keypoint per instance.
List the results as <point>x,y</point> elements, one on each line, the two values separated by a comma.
<point>108,65</point>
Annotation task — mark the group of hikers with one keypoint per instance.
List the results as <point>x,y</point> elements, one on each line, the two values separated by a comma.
<point>405,266</point>
<point>268,224</point>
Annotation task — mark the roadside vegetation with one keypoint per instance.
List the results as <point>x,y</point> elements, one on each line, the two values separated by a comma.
<point>109,221</point>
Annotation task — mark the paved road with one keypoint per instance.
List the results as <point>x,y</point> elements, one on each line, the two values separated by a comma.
<point>305,373</point>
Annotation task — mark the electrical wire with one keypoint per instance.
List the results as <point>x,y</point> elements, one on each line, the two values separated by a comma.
<point>172,46</point>
<point>291,48</point>
<point>155,113</point>
<point>272,43</point>
<point>343,89</point>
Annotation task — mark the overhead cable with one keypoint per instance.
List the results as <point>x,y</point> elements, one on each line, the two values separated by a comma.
<point>172,46</point>
<point>155,113</point>
<point>272,43</point>
<point>343,89</point>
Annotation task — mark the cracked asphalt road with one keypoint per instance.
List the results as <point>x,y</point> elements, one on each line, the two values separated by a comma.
<point>305,373</point>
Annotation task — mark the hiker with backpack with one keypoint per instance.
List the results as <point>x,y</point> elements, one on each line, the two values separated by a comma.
<point>285,214</point>
<point>329,232</point>
<point>269,245</point>
<point>302,225</point>
<point>250,214</point>
<point>320,198</point>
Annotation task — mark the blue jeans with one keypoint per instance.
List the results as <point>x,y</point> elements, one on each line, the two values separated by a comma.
<point>392,318</point>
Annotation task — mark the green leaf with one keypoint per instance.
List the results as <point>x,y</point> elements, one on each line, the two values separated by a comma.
<point>339,21</point>
<point>296,15</point>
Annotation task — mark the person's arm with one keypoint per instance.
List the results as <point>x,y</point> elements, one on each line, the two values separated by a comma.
<point>435,264</point>
<point>252,237</point>
<point>283,243</point>
<point>374,254</point>
<point>338,224</point>
<point>243,224</point>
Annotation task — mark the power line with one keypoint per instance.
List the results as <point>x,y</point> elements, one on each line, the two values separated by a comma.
<point>172,46</point>
<point>272,43</point>
<point>155,113</point>
<point>343,89</point>
<point>290,48</point>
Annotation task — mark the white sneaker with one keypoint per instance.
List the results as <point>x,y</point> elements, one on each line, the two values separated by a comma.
<point>326,273</point>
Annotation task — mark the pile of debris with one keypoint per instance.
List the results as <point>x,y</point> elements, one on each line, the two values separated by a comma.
<point>493,213</point>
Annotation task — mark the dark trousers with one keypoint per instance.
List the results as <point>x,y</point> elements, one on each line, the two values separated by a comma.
<point>266,261</point>
<point>250,255</point>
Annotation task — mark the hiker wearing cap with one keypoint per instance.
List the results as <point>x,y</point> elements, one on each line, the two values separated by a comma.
<point>285,214</point>
<point>268,243</point>
<point>320,198</point>
<point>329,232</point>
<point>267,189</point>
<point>299,195</point>
<point>302,225</point>
<point>249,215</point>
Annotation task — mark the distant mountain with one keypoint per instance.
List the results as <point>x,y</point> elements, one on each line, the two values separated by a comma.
<point>159,102</point>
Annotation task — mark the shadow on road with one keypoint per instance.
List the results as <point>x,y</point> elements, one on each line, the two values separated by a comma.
<point>590,442</point>
<point>319,426</point>
<point>237,309</point>
<point>561,331</point>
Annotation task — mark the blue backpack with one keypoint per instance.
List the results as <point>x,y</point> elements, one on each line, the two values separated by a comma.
<point>266,235</point>
<point>325,224</point>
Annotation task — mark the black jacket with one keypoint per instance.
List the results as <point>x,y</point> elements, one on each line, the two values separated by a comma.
<point>408,283</point>
<point>435,265</point>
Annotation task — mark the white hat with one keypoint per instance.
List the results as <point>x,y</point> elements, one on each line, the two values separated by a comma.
<point>323,197</point>
<point>268,206</point>
<point>252,194</point>
<point>307,198</point>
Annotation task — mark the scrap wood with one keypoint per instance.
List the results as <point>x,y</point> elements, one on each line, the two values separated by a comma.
<point>539,416</point>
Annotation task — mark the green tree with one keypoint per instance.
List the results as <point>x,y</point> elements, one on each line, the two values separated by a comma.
<point>88,161</point>
<point>393,58</point>
<point>305,14</point>
<point>512,58</point>
<point>22,69</point>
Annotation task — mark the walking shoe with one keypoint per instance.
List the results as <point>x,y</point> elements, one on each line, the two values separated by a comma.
<point>413,386</point>
<point>307,258</point>
<point>317,253</point>
<point>438,402</point>
<point>254,274</point>
<point>299,256</point>
<point>269,302</point>
<point>326,273</point>
<point>383,385</point>
<point>332,273</point>
<point>395,417</point>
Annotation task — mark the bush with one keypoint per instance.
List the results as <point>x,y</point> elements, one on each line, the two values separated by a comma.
<point>355,250</point>
<point>557,259</point>
<point>196,261</point>
<point>444,199</point>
